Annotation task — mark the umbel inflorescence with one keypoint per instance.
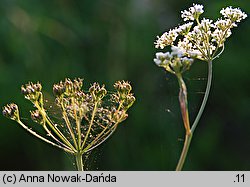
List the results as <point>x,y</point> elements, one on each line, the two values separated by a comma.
<point>197,38</point>
<point>90,117</point>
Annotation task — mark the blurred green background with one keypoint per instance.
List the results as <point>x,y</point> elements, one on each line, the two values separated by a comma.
<point>109,40</point>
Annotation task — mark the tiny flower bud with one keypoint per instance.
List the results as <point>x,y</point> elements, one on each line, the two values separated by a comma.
<point>36,117</point>
<point>123,87</point>
<point>97,92</point>
<point>101,93</point>
<point>37,87</point>
<point>129,101</point>
<point>58,90</point>
<point>68,87</point>
<point>78,83</point>
<point>23,90</point>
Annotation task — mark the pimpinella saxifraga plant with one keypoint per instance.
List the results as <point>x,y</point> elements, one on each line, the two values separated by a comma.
<point>197,38</point>
<point>90,117</point>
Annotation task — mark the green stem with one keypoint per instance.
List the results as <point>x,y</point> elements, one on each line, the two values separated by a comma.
<point>79,162</point>
<point>185,117</point>
<point>57,131</point>
<point>189,135</point>
<point>184,152</point>
<point>183,102</point>
<point>44,139</point>
<point>66,119</point>
<point>90,125</point>
<point>205,97</point>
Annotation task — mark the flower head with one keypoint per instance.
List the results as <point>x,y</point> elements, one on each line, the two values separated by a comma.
<point>185,28</point>
<point>192,13</point>
<point>234,14</point>
<point>223,24</point>
<point>200,38</point>
<point>11,111</point>
<point>88,118</point>
<point>166,39</point>
<point>31,91</point>
<point>174,62</point>
<point>123,94</point>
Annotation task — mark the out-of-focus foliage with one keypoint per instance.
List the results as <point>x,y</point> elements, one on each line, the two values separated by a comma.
<point>111,40</point>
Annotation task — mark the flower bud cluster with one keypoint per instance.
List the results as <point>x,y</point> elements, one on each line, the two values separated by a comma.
<point>174,62</point>
<point>68,87</point>
<point>123,94</point>
<point>97,92</point>
<point>32,91</point>
<point>11,111</point>
<point>88,117</point>
<point>93,106</point>
<point>192,13</point>
<point>37,117</point>
<point>201,39</point>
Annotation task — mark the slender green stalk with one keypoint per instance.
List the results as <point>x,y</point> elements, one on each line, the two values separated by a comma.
<point>189,135</point>
<point>52,136</point>
<point>183,103</point>
<point>66,119</point>
<point>90,125</point>
<point>44,139</point>
<point>57,131</point>
<point>209,80</point>
<point>79,162</point>
<point>184,152</point>
<point>185,117</point>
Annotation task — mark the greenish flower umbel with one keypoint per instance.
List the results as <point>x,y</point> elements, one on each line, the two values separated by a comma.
<point>89,117</point>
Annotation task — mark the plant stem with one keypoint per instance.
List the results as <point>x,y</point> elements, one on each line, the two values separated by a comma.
<point>79,163</point>
<point>53,127</point>
<point>183,103</point>
<point>209,80</point>
<point>185,117</point>
<point>90,125</point>
<point>189,135</point>
<point>184,152</point>
<point>44,139</point>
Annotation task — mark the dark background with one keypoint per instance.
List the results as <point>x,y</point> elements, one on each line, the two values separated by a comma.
<point>109,40</point>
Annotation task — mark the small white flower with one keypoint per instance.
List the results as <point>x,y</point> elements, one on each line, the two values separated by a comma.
<point>166,39</point>
<point>206,25</point>
<point>187,61</point>
<point>185,44</point>
<point>192,13</point>
<point>185,28</point>
<point>198,8</point>
<point>219,36</point>
<point>157,61</point>
<point>161,58</point>
<point>186,15</point>
<point>195,54</point>
<point>195,35</point>
<point>234,14</point>
<point>159,55</point>
<point>176,51</point>
<point>224,24</point>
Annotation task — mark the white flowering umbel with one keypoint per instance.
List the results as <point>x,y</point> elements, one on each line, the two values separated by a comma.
<point>197,38</point>
<point>201,38</point>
